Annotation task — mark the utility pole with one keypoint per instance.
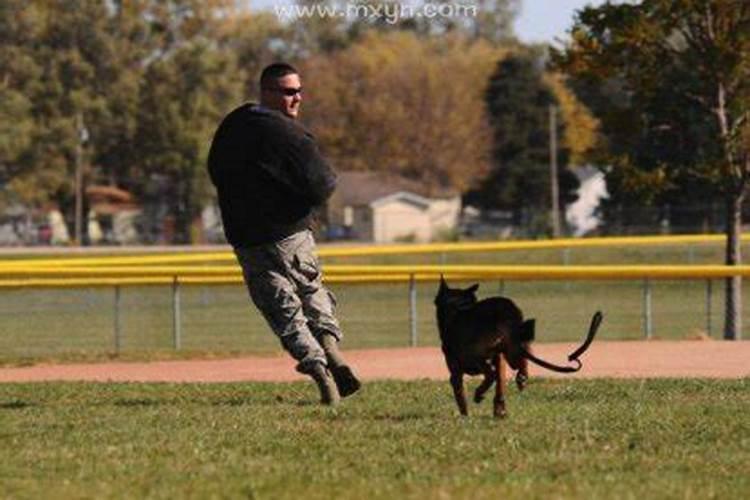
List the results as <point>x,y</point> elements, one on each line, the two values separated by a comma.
<point>555,190</point>
<point>83,137</point>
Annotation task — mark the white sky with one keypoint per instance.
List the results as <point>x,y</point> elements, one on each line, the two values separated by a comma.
<point>544,20</point>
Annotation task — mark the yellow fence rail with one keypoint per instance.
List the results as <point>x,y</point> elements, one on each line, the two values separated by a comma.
<point>226,256</point>
<point>220,275</point>
<point>220,268</point>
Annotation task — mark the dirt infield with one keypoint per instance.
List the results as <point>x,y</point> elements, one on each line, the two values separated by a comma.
<point>629,359</point>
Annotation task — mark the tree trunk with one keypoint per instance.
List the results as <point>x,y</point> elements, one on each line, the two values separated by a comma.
<point>733,299</point>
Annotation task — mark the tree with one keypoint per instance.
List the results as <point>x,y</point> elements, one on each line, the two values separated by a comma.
<point>684,70</point>
<point>518,101</point>
<point>60,65</point>
<point>255,40</point>
<point>18,76</point>
<point>183,98</point>
<point>488,20</point>
<point>404,105</point>
<point>98,65</point>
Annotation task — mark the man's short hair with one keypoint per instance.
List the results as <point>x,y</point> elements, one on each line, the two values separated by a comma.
<point>274,71</point>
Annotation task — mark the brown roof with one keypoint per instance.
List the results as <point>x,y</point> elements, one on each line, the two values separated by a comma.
<point>108,200</point>
<point>362,188</point>
<point>109,193</point>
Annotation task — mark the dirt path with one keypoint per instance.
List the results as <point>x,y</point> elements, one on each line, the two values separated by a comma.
<point>712,359</point>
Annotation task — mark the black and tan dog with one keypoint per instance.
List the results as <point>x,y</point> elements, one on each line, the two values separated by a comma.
<point>480,337</point>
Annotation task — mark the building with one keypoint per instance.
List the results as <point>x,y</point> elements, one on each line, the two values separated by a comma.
<point>371,206</point>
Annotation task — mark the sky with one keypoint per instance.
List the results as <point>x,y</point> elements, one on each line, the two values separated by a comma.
<point>539,21</point>
<point>544,20</point>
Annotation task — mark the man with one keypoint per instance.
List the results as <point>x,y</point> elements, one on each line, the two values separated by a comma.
<point>269,176</point>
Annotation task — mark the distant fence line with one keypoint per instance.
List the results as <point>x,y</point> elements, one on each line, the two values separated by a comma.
<point>151,270</point>
<point>213,257</point>
<point>176,277</point>
<point>43,277</point>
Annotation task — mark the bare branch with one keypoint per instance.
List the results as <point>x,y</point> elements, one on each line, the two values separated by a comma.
<point>709,23</point>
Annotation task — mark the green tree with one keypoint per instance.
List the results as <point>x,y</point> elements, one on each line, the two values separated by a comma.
<point>67,69</point>
<point>61,63</point>
<point>255,40</point>
<point>18,76</point>
<point>518,101</point>
<point>684,70</point>
<point>183,98</point>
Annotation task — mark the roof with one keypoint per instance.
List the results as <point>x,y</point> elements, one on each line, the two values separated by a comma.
<point>414,199</point>
<point>109,193</point>
<point>362,188</point>
<point>108,200</point>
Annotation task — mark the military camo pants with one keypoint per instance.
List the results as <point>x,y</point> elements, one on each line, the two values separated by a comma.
<point>284,282</point>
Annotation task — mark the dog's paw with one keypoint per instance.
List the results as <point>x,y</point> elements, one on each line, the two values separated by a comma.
<point>521,381</point>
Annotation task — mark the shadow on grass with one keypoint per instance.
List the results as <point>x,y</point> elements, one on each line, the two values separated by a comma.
<point>15,405</point>
<point>136,402</point>
<point>403,417</point>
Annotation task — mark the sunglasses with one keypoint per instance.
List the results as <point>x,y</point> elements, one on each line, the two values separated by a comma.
<point>287,91</point>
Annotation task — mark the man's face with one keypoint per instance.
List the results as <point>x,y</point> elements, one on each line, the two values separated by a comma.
<point>284,95</point>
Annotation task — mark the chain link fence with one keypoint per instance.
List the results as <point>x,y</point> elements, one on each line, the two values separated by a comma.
<point>39,323</point>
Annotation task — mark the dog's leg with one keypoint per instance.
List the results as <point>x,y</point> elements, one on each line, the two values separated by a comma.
<point>489,378</point>
<point>457,382</point>
<point>499,402</point>
<point>522,377</point>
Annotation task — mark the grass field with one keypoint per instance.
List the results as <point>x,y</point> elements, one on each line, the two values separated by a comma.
<point>563,439</point>
<point>79,324</point>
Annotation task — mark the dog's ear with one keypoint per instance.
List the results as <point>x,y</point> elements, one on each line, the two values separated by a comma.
<point>443,284</point>
<point>527,330</point>
<point>473,288</point>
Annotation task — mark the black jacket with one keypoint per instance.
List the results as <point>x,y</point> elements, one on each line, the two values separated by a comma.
<point>269,175</point>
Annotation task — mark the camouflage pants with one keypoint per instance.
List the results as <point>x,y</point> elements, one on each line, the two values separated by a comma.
<point>284,282</point>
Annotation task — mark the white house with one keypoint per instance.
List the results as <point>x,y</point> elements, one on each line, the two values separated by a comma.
<point>370,206</point>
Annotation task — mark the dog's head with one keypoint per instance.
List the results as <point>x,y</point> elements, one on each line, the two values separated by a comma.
<point>455,299</point>
<point>450,301</point>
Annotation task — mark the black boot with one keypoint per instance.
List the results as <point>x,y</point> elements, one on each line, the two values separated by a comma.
<point>344,377</point>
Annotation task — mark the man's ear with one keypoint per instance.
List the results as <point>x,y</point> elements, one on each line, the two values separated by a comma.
<point>527,330</point>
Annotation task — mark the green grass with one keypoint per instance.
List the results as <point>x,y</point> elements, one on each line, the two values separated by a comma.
<point>562,439</point>
<point>69,325</point>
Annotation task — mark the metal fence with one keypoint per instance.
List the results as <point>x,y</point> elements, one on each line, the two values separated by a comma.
<point>196,302</point>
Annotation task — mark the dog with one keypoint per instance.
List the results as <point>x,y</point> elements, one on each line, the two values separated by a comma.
<point>481,337</point>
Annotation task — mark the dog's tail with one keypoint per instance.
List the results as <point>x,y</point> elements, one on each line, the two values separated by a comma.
<point>596,320</point>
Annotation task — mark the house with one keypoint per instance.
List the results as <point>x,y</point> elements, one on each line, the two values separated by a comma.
<point>371,206</point>
<point>113,214</point>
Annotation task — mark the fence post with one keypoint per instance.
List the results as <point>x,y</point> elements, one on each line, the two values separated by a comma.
<point>709,297</point>
<point>118,332</point>
<point>176,326</point>
<point>647,330</point>
<point>413,310</point>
